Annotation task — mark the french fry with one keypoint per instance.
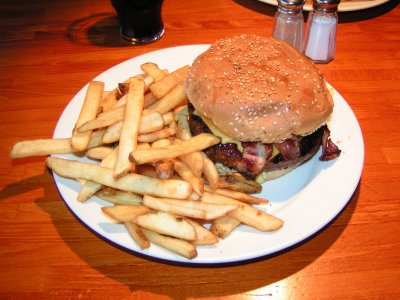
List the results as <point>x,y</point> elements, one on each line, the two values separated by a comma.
<point>167,224</point>
<point>246,213</point>
<point>104,120</point>
<point>166,84</point>
<point>168,102</point>
<point>112,133</point>
<point>164,169</point>
<point>124,213</point>
<point>210,172</point>
<point>108,101</point>
<point>212,210</point>
<point>137,235</point>
<point>44,147</point>
<point>186,174</point>
<point>173,208</point>
<point>80,141</point>
<point>161,143</point>
<point>99,153</point>
<point>223,226</point>
<point>236,182</point>
<point>178,246</point>
<point>151,69</point>
<point>96,139</point>
<point>196,143</point>
<point>149,99</point>
<point>149,123</point>
<point>168,118</point>
<point>119,197</point>
<point>204,236</point>
<point>130,127</point>
<point>157,135</point>
<point>89,188</point>
<point>194,161</point>
<point>134,183</point>
<point>41,147</point>
<point>242,197</point>
<point>183,131</point>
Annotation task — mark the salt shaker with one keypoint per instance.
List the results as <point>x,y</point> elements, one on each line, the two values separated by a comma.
<point>320,37</point>
<point>289,22</point>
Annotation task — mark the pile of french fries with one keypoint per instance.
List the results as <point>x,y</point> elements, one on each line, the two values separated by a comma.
<point>153,172</point>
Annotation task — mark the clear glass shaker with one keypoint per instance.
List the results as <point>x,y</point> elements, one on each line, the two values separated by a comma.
<point>320,36</point>
<point>289,22</point>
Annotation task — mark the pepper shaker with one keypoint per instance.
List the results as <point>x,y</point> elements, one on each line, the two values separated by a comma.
<point>320,37</point>
<point>289,22</point>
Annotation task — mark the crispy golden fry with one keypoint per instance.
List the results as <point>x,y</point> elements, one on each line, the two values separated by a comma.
<point>143,146</point>
<point>161,143</point>
<point>104,120</point>
<point>89,188</point>
<point>112,133</point>
<point>156,135</point>
<point>186,174</point>
<point>246,213</point>
<point>168,102</point>
<point>166,84</point>
<point>183,133</point>
<point>124,213</point>
<point>236,182</point>
<point>149,99</point>
<point>194,161</point>
<point>178,246</point>
<point>168,118</point>
<point>223,226</point>
<point>99,153</point>
<point>149,123</point>
<point>172,207</point>
<point>164,169</point>
<point>168,224</point>
<point>80,141</point>
<point>41,147</point>
<point>134,183</point>
<point>108,101</point>
<point>210,172</point>
<point>151,69</point>
<point>130,127</point>
<point>197,143</point>
<point>242,197</point>
<point>119,197</point>
<point>212,210</point>
<point>137,235</point>
<point>96,139</point>
<point>204,236</point>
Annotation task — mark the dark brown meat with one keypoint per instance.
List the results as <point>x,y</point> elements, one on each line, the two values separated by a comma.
<point>255,156</point>
<point>329,149</point>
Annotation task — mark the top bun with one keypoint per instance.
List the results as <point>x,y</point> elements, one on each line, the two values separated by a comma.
<point>256,88</point>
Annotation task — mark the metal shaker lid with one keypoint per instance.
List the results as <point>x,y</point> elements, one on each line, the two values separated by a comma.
<point>291,4</point>
<point>328,6</point>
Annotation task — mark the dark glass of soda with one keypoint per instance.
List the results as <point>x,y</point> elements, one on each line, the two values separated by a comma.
<point>140,20</point>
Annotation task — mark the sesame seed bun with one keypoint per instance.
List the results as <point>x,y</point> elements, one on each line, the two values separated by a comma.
<point>256,88</point>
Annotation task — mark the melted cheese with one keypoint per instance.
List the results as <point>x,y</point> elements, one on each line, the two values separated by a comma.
<point>224,138</point>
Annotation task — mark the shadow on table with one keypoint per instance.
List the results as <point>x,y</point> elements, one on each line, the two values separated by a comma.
<point>99,29</point>
<point>128,268</point>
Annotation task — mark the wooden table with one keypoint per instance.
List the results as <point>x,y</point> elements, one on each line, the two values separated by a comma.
<point>50,49</point>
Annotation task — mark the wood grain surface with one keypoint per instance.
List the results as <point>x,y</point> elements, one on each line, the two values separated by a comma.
<point>49,49</point>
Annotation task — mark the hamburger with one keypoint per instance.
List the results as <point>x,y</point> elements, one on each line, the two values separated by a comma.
<point>267,103</point>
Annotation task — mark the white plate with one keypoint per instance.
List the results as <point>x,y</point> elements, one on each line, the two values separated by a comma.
<point>307,199</point>
<point>345,5</point>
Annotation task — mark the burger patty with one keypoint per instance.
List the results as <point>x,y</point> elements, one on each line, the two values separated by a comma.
<point>255,157</point>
